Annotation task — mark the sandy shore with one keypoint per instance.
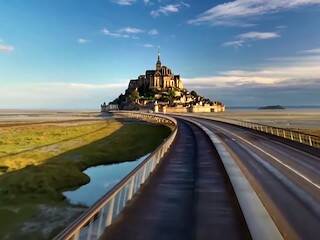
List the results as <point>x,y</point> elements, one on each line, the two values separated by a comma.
<point>305,120</point>
<point>10,117</point>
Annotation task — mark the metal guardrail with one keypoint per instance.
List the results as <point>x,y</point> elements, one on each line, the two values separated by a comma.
<point>307,139</point>
<point>296,136</point>
<point>150,117</point>
<point>93,222</point>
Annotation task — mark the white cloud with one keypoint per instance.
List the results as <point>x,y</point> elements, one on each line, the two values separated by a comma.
<point>4,48</point>
<point>105,31</point>
<point>168,9</point>
<point>236,12</point>
<point>130,30</point>
<point>236,43</point>
<point>153,32</point>
<point>58,94</point>
<point>251,36</point>
<point>290,73</point>
<point>90,85</point>
<point>292,80</point>
<point>124,2</point>
<point>281,27</point>
<point>258,35</point>
<point>185,4</point>
<point>82,40</point>
<point>171,8</point>
<point>148,45</point>
<point>311,51</point>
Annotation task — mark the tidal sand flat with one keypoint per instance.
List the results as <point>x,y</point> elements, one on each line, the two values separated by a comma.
<point>303,120</point>
<point>39,160</point>
<point>12,117</point>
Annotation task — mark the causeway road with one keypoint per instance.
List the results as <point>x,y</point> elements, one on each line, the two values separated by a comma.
<point>189,196</point>
<point>285,176</point>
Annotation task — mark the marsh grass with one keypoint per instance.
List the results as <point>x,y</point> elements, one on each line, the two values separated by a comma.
<point>40,175</point>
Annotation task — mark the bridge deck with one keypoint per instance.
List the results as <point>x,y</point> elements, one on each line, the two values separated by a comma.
<point>286,177</point>
<point>188,197</point>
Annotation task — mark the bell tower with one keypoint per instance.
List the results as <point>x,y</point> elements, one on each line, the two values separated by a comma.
<point>158,65</point>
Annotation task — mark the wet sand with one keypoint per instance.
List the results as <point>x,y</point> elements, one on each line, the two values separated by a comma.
<point>306,120</point>
<point>13,117</point>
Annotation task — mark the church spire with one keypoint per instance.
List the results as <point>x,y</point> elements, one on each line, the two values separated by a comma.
<point>158,65</point>
<point>159,54</point>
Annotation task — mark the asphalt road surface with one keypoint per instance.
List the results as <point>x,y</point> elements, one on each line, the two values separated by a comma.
<point>188,197</point>
<point>285,177</point>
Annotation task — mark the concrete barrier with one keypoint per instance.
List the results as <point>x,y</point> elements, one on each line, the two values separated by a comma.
<point>260,223</point>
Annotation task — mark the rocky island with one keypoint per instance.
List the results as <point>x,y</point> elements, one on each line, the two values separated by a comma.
<point>272,107</point>
<point>160,90</point>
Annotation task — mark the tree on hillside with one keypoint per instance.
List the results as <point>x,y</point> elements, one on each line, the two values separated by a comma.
<point>171,96</point>
<point>193,93</point>
<point>134,95</point>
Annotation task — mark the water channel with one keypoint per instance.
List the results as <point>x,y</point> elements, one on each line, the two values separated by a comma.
<point>102,179</point>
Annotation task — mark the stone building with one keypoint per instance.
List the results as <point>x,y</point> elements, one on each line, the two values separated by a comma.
<point>161,91</point>
<point>162,78</point>
<point>110,107</point>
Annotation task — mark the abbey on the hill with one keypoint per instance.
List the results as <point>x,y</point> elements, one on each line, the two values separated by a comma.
<point>161,91</point>
<point>159,79</point>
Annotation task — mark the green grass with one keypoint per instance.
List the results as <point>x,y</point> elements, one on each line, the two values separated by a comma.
<point>22,190</point>
<point>33,145</point>
<point>15,139</point>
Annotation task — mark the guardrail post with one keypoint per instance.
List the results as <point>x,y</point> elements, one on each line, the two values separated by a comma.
<point>110,212</point>
<point>300,139</point>
<point>153,163</point>
<point>89,229</point>
<point>271,129</point>
<point>277,132</point>
<point>100,221</point>
<point>310,141</point>
<point>284,133</point>
<point>291,135</point>
<point>131,188</point>
<point>144,174</point>
<point>76,235</point>
<point>119,202</point>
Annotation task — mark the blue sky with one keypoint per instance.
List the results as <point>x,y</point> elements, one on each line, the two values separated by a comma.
<point>76,54</point>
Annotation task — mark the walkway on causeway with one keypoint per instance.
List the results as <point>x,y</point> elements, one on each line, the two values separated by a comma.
<point>188,197</point>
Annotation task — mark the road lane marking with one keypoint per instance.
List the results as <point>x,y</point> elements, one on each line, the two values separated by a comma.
<point>259,221</point>
<point>274,158</point>
<point>219,121</point>
<point>307,199</point>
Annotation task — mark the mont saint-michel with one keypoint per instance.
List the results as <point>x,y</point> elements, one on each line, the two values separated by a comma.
<point>160,90</point>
